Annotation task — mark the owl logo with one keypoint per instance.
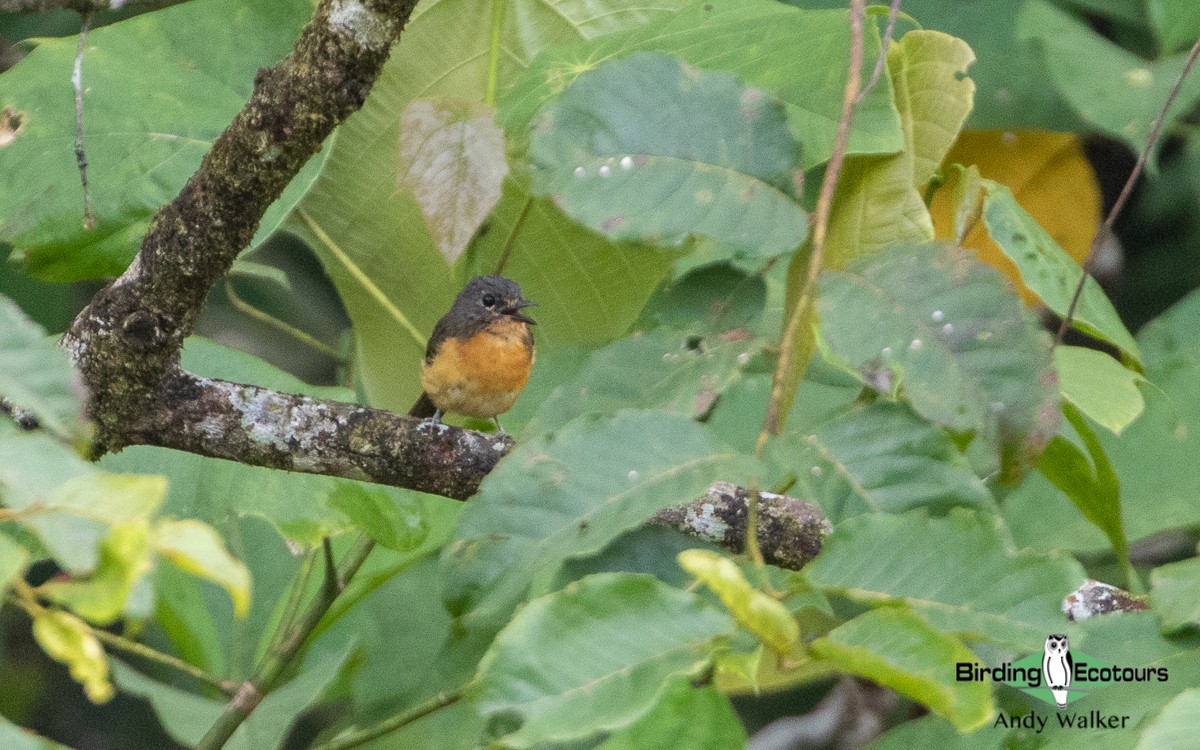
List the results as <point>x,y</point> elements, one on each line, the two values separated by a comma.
<point>1057,667</point>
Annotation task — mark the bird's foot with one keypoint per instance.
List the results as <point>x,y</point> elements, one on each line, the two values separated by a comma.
<point>433,423</point>
<point>499,427</point>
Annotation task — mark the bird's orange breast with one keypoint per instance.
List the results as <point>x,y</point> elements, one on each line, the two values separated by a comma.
<point>483,375</point>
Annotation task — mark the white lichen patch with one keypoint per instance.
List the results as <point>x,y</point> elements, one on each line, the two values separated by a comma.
<point>366,27</point>
<point>705,522</point>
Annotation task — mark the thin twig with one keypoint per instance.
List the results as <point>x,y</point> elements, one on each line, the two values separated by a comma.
<point>1106,229</point>
<point>821,226</point>
<point>246,308</point>
<point>391,724</point>
<point>228,687</point>
<point>512,237</point>
<point>271,668</point>
<point>89,219</point>
<point>893,11</point>
<point>26,599</point>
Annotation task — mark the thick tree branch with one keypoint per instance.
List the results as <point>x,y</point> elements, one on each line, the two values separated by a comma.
<point>82,6</point>
<point>127,340</point>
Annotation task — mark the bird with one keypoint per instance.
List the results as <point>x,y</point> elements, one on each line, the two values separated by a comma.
<point>479,355</point>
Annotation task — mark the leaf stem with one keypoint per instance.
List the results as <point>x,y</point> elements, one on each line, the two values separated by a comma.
<point>1106,229</point>
<point>267,675</point>
<point>391,724</point>
<point>246,308</point>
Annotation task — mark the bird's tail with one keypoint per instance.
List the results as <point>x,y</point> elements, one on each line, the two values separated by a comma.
<point>423,409</point>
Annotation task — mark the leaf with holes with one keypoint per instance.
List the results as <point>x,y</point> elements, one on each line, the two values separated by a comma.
<point>950,332</point>
<point>650,149</point>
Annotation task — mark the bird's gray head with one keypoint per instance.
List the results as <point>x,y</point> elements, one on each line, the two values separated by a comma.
<point>486,298</point>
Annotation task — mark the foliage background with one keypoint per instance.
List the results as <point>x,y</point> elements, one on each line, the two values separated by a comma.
<point>360,269</point>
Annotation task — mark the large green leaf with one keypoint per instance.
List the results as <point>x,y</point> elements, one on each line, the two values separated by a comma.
<point>1155,457</point>
<point>686,718</point>
<point>878,458</point>
<point>1175,593</point>
<point>1049,272</point>
<point>649,149</point>
<point>13,559</point>
<point>187,716</point>
<point>894,647</point>
<point>366,226</point>
<point>37,376</point>
<point>1177,23</point>
<point>949,333</point>
<point>961,573</point>
<point>1175,726</point>
<point>657,370</point>
<point>158,90</point>
<point>592,658</point>
<point>13,737</point>
<point>1108,86</point>
<point>758,41</point>
<point>567,494</point>
<point>1099,386</point>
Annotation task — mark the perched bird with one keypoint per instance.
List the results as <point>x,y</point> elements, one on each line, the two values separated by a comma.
<point>480,354</point>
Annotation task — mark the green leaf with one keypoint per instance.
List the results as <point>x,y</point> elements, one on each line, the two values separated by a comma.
<point>1175,726</point>
<point>13,737</point>
<point>934,731</point>
<point>146,127</point>
<point>396,523</point>
<point>658,370</point>
<point>961,573</point>
<point>592,658</point>
<point>767,618</point>
<point>1108,86</point>
<point>879,458</point>
<point>187,716</point>
<point>36,375</point>
<point>1175,593</point>
<point>1155,457</point>
<point>649,149</point>
<point>568,494</point>
<point>452,158</point>
<point>13,560</point>
<point>756,40</point>
<point>1176,22</point>
<point>1049,272</point>
<point>67,639</point>
<point>1099,386</point>
<point>968,200</point>
<point>685,718</point>
<point>103,595</point>
<point>1089,480</point>
<point>950,332</point>
<point>197,548</point>
<point>249,269</point>
<point>933,94</point>
<point>894,647</point>
<point>368,231</point>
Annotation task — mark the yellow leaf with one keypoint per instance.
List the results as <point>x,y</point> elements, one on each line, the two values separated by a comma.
<point>197,548</point>
<point>1050,178</point>
<point>67,639</point>
<point>762,615</point>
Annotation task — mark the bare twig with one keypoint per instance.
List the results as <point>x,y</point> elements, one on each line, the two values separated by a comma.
<point>89,218</point>
<point>821,226</point>
<point>121,643</point>
<point>1106,229</point>
<point>881,61</point>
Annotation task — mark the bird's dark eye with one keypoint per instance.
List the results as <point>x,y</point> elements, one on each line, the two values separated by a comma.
<point>489,300</point>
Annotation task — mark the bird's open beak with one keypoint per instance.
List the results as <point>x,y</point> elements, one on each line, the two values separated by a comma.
<point>514,312</point>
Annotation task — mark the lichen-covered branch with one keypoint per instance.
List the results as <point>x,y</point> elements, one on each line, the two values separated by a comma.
<point>126,341</point>
<point>83,6</point>
<point>790,531</point>
<point>262,427</point>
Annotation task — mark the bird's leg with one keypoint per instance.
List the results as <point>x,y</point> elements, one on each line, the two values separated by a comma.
<point>499,427</point>
<point>432,422</point>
